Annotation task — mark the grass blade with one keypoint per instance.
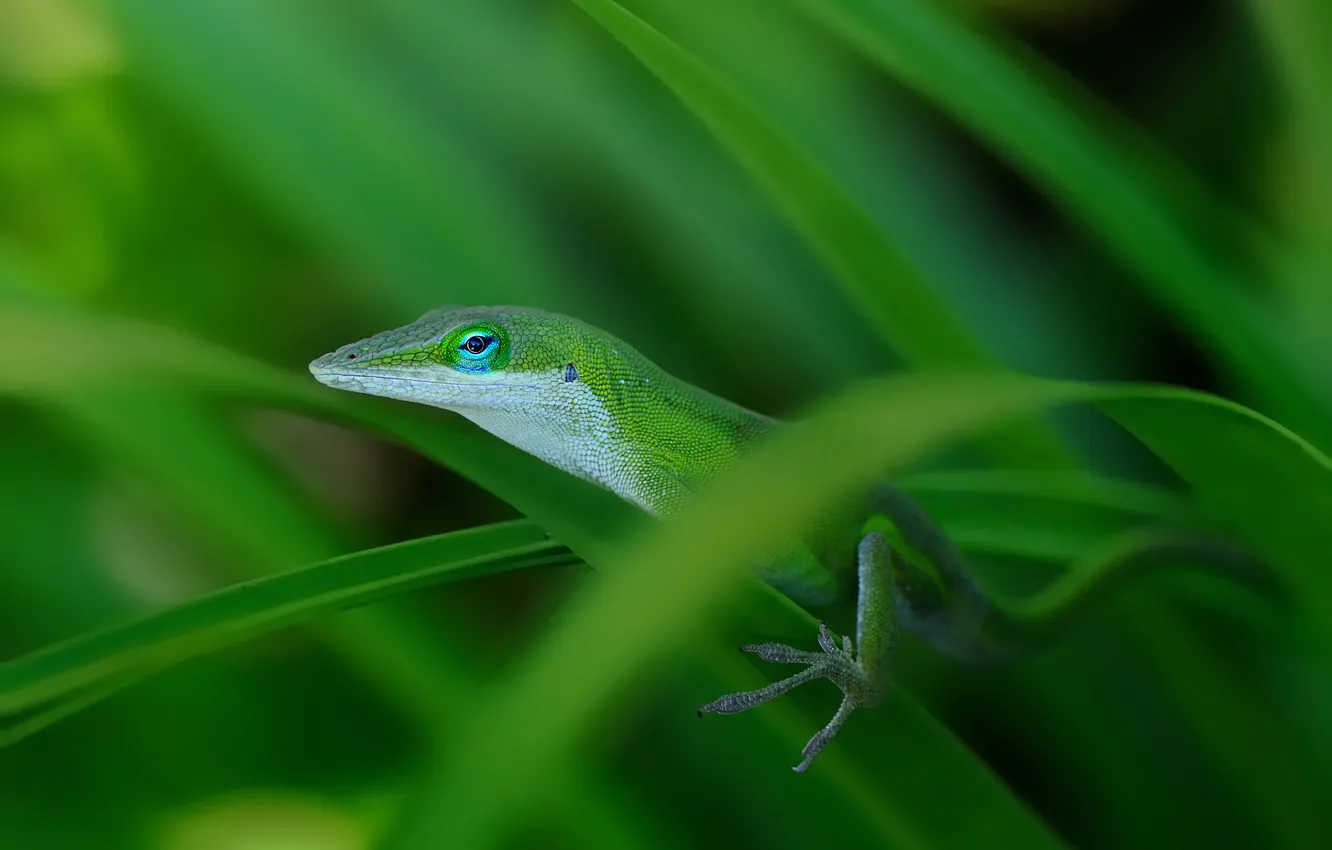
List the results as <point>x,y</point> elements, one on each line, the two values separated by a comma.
<point>668,585</point>
<point>1024,115</point>
<point>253,608</point>
<point>294,106</point>
<point>1042,516</point>
<point>67,707</point>
<point>873,272</point>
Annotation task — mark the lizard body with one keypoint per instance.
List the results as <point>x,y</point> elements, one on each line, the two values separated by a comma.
<point>590,404</point>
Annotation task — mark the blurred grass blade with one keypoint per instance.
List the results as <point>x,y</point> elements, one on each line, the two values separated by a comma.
<point>1269,486</point>
<point>306,118</point>
<point>254,608</point>
<point>873,272</point>
<point>72,704</point>
<point>1121,496</point>
<point>653,595</point>
<point>1025,114</point>
<point>1126,557</point>
<point>670,584</point>
<point>913,317</point>
<point>1299,33</point>
<point>82,351</point>
<point>1043,516</point>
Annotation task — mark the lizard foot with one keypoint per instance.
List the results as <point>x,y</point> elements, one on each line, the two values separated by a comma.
<point>859,685</point>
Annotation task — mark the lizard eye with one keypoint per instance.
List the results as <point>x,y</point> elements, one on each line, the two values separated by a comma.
<point>480,347</point>
<point>477,344</point>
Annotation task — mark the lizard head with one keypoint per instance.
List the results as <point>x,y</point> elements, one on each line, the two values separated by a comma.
<point>475,358</point>
<point>558,388</point>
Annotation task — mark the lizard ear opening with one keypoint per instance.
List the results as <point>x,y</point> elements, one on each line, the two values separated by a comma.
<point>570,374</point>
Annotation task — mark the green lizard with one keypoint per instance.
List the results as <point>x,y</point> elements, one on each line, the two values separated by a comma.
<point>588,403</point>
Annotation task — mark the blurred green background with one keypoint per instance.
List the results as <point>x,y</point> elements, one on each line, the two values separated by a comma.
<point>775,199</point>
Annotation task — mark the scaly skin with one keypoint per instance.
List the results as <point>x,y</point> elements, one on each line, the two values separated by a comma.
<point>622,423</point>
<point>591,405</point>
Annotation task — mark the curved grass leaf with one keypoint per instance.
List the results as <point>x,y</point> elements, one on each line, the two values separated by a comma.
<point>862,260</point>
<point>81,351</point>
<point>307,121</point>
<point>671,583</point>
<point>252,608</point>
<point>1024,114</point>
<point>1043,516</point>
<point>66,707</point>
<point>1298,32</point>
<point>1130,498</point>
<point>873,272</point>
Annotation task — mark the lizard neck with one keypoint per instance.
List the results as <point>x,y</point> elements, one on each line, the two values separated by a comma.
<point>572,429</point>
<point>650,438</point>
<point>677,437</point>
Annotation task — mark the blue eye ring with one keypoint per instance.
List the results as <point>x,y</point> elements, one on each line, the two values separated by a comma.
<point>477,345</point>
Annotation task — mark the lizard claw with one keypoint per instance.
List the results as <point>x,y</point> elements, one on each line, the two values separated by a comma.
<point>837,663</point>
<point>859,669</point>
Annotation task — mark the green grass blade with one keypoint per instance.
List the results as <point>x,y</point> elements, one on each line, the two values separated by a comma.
<point>82,351</point>
<point>307,121</point>
<point>1120,496</point>
<point>1299,33</point>
<point>65,708</point>
<point>671,583</point>
<point>1026,116</point>
<point>654,594</point>
<point>873,272</point>
<point>1054,517</point>
<point>1269,486</point>
<point>914,318</point>
<point>253,608</point>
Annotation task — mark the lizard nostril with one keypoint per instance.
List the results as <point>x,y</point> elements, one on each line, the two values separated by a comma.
<point>351,356</point>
